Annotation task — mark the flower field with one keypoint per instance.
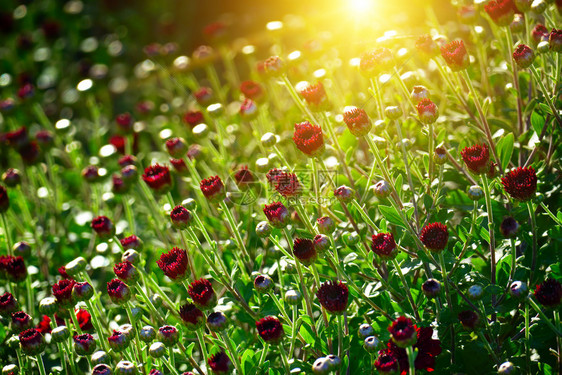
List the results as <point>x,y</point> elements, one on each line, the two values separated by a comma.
<point>290,201</point>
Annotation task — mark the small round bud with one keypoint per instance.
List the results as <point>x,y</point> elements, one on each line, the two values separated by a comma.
<point>147,333</point>
<point>509,227</point>
<point>60,334</point>
<point>215,110</point>
<point>76,266</point>
<point>129,173</point>
<point>366,330</point>
<point>48,306</point>
<point>293,297</point>
<point>269,140</point>
<point>100,357</point>
<point>262,165</point>
<point>334,362</point>
<point>169,335</point>
<point>393,112</point>
<point>126,368</point>
<point>539,6</point>
<point>176,147</point>
<point>217,321</point>
<point>475,292</point>
<point>10,370</point>
<point>406,142</point>
<point>157,349</point>
<point>84,344</point>
<point>431,288</point>
<point>518,24</point>
<point>518,289</point>
<point>263,283</point>
<point>344,194</point>
<point>325,225</point>
<point>200,131</point>
<point>82,291</point>
<point>263,229</point>
<point>371,343</point>
<point>351,239</point>
<point>507,368</point>
<point>131,256</point>
<point>321,366</point>
<point>190,204</point>
<point>321,243</point>
<point>102,369</point>
<point>13,342</point>
<point>128,330</point>
<point>439,156</point>
<point>12,177</point>
<point>22,249</point>
<point>156,300</point>
<point>382,189</point>
<point>543,47</point>
<point>475,192</point>
<point>418,93</point>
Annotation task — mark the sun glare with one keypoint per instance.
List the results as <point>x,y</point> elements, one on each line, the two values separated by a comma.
<point>360,6</point>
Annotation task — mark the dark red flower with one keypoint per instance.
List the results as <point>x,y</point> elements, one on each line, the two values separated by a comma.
<point>219,363</point>
<point>12,178</point>
<point>91,173</point>
<point>102,369</point>
<point>333,296</point>
<point>21,321</point>
<point>277,214</point>
<point>476,158</point>
<point>131,242</point>
<point>274,66</point>
<point>45,139</point>
<point>469,319</point>
<point>82,316</point>
<point>509,227</point>
<point>181,217</point>
<point>118,291</point>
<point>13,268</point>
<point>357,121</point>
<point>386,362</point>
<point>426,45</point>
<point>84,344</point>
<point>30,153</point>
<point>248,109</point>
<point>540,33</point>
<point>270,329</point>
<point>314,95</point>
<point>213,188</point>
<point>126,272</point>
<point>32,342</point>
<point>287,184</point>
<point>174,264</point>
<point>125,122</point>
<point>252,90</point>
<point>202,293</point>
<point>500,11</point>
<point>403,332</point>
<point>26,91</point>
<point>376,61</point>
<point>244,178</point>
<point>177,147</point>
<point>8,304</point>
<point>62,271</point>
<point>144,107</point>
<point>215,31</point>
<point>103,227</point>
<point>520,183</point>
<point>17,138</point>
<point>118,341</point>
<point>119,186</point>
<point>179,166</point>
<point>555,40</point>
<point>431,288</point>
<point>192,317</point>
<point>158,178</point>
<point>193,118</point>
<point>344,194</point>
<point>62,291</point>
<point>325,225</point>
<point>168,335</point>
<point>426,347</point>
<point>384,246</point>
<point>118,141</point>
<point>427,111</point>
<point>304,251</point>
<point>455,55</point>
<point>127,160</point>
<point>309,139</point>
<point>434,236</point>
<point>204,96</point>
<point>44,325</point>
<point>272,175</point>
<point>549,293</point>
<point>523,56</point>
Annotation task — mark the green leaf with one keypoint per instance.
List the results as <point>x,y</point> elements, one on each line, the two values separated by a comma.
<point>391,215</point>
<point>505,149</point>
<point>537,122</point>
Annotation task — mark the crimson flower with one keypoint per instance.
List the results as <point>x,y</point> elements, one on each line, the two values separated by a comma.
<point>549,293</point>
<point>8,303</point>
<point>427,111</point>
<point>118,291</point>
<point>192,317</point>
<point>177,147</point>
<point>455,55</point>
<point>384,246</point>
<point>202,293</point>
<point>84,344</point>
<point>375,62</point>
<point>427,46</point>
<point>181,217</point>
<point>333,296</point>
<point>174,264</point>
<point>21,321</point>
<point>44,326</point>
<point>403,332</point>
<point>126,272</point>
<point>193,118</point>
<point>244,178</point>
<point>500,11</point>
<point>252,90</point>
<point>118,341</point>
<point>220,363</point>
<point>125,122</point>
<point>277,214</point>
<point>555,40</point>
<point>287,184</point>
<point>103,227</point>
<point>523,56</point>
<point>520,183</point>
<point>426,347</point>
<point>13,267</point>
<point>434,236</point>
<point>476,158</point>
<point>131,242</point>
<point>304,251</point>
<point>357,121</point>
<point>213,188</point>
<point>314,95</point>
<point>386,362</point>
<point>270,329</point>
<point>469,319</point>
<point>32,342</point>
<point>158,178</point>
<point>309,139</point>
<point>540,33</point>
<point>62,291</point>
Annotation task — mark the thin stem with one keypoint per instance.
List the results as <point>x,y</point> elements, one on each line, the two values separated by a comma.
<point>549,213</point>
<point>237,237</point>
<point>340,337</point>
<point>340,153</point>
<point>543,316</point>
<point>375,151</point>
<point>263,354</point>
<point>407,287</point>
<point>97,326</point>
<point>515,80</point>
<point>41,365</point>
<point>445,280</point>
<point>297,100</point>
<point>201,338</point>
<point>527,337</point>
<point>232,351</point>
<point>488,347</point>
<point>492,242</point>
<point>75,321</point>
<point>411,360</point>
<point>6,233</point>
<point>546,95</point>
<point>534,237</point>
<point>284,358</point>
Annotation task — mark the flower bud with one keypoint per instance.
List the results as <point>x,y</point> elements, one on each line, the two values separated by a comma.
<point>200,131</point>
<point>469,319</point>
<point>427,111</point>
<point>8,304</point>
<point>351,239</point>
<point>192,318</point>
<point>156,300</point>
<point>76,266</point>
<point>215,110</point>
<point>274,66</point>
<point>523,56</point>
<point>157,350</point>
<point>431,288</point>
<point>82,291</point>
<point>509,227</point>
<point>131,256</point>
<point>22,249</point>
<point>60,334</point>
<point>181,217</point>
<point>12,177</point>
<point>321,243</point>
<point>518,289</point>
<point>440,156</point>
<point>147,334</point>
<point>518,24</point>
<point>91,174</point>
<point>13,342</point>
<point>334,361</point>
<point>269,140</point>
<point>217,321</point>
<point>366,330</point>
<point>507,368</point>
<point>10,370</point>
<point>32,342</point>
<point>523,5</point>
<point>371,344</point>
<point>118,291</point>
<point>293,297</point>
<point>118,341</point>
<point>100,357</point>
<point>48,306</point>
<point>248,109</point>
<point>84,344</point>
<point>177,147</point>
<point>475,192</point>
<point>475,292</point>
<point>103,227</point>
<point>419,93</point>
<point>102,369</point>
<point>263,229</point>
<point>325,225</point>
<point>21,321</point>
<point>382,189</point>
<point>169,335</point>
<point>344,194</point>
<point>128,330</point>
<point>321,366</point>
<point>126,368</point>
<point>126,272</point>
<point>555,40</point>
<point>263,283</point>
<point>129,173</point>
<point>539,6</point>
<point>393,112</point>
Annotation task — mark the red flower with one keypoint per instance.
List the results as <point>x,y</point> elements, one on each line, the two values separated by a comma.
<point>82,316</point>
<point>179,166</point>
<point>549,293</point>
<point>274,66</point>
<point>540,33</point>
<point>469,319</point>
<point>202,293</point>
<point>476,158</point>
<point>375,62</point>
<point>427,349</point>
<point>174,264</point>
<point>131,242</point>
<point>126,272</point>
<point>126,160</point>
<point>357,121</point>
<point>270,329</point>
<point>158,178</point>
<point>252,90</point>
<point>62,291</point>
<point>193,118</point>
<point>219,363</point>
<point>177,147</point>
<point>91,173</point>
<point>500,11</point>
<point>309,139</point>
<point>455,55</point>
<point>287,184</point>
<point>103,227</point>
<point>304,251</point>
<point>169,335</point>
<point>45,139</point>
<point>384,246</point>
<point>120,186</point>
<point>17,138</point>
<point>314,95</point>
<point>403,332</point>
<point>32,342</point>
<point>204,96</point>
<point>29,153</point>
<point>344,194</point>
<point>555,40</point>
<point>244,178</point>
<point>333,296</point>
<point>84,344</point>
<point>12,178</point>
<point>523,56</point>
<point>181,217</point>
<point>8,304</point>
<point>44,325</point>
<point>21,321</point>
<point>426,45</point>
<point>192,317</point>
<point>62,271</point>
<point>277,214</point>
<point>13,267</point>
<point>427,111</point>
<point>434,236</point>
<point>215,31</point>
<point>386,362</point>
<point>118,291</point>
<point>521,183</point>
<point>125,122</point>
<point>26,91</point>
<point>118,341</point>
<point>213,188</point>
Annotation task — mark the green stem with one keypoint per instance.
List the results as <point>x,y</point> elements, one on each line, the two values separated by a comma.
<point>237,237</point>
<point>297,100</point>
<point>407,287</point>
<point>170,366</point>
<point>215,82</point>
<point>263,354</point>
<point>41,365</point>
<point>445,280</point>
<point>549,213</point>
<point>488,347</point>
<point>128,212</point>
<point>411,360</point>
<point>75,321</point>
<point>527,337</point>
<point>546,95</point>
<point>97,326</point>
<point>284,358</point>
<point>340,337</point>
<point>7,233</point>
<point>534,237</point>
<point>491,242</point>
<point>201,337</point>
<point>515,80</point>
<point>543,316</point>
<point>233,355</point>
